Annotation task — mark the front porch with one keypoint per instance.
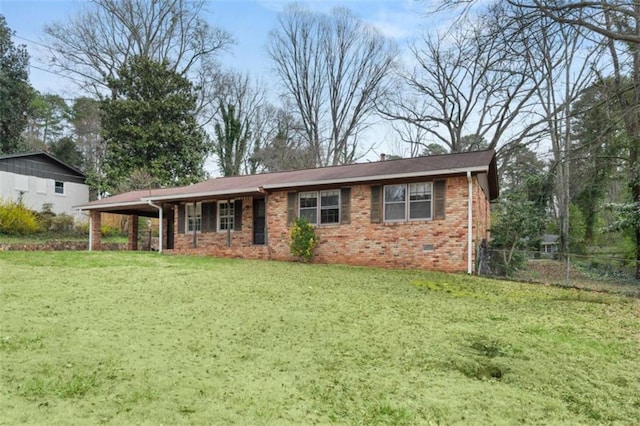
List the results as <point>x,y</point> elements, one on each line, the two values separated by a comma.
<point>230,227</point>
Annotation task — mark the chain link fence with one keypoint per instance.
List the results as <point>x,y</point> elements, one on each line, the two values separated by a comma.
<point>607,273</point>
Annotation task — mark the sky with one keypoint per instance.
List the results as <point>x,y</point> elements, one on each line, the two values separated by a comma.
<point>249,22</point>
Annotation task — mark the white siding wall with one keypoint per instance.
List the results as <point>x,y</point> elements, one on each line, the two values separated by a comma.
<point>38,191</point>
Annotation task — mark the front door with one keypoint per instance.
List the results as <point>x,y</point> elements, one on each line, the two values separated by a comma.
<point>259,222</point>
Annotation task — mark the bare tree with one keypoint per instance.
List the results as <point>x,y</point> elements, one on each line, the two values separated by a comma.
<point>468,82</point>
<point>95,44</point>
<point>252,114</point>
<point>617,22</point>
<point>286,148</point>
<point>334,68</point>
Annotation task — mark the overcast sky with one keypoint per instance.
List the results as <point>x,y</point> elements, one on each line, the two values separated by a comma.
<point>248,21</point>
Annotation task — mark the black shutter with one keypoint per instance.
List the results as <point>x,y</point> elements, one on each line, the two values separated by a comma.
<point>345,205</point>
<point>439,198</point>
<point>181,212</point>
<point>237,218</point>
<point>376,203</point>
<point>292,206</point>
<point>209,222</point>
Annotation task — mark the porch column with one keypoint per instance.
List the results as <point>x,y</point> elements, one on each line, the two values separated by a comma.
<point>96,235</point>
<point>133,232</point>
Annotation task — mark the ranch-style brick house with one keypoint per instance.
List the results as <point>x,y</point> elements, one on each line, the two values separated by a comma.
<point>426,213</point>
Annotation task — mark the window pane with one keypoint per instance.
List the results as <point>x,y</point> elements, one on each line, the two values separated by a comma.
<point>329,198</point>
<point>194,217</point>
<point>310,215</point>
<point>308,199</point>
<point>330,215</point>
<point>420,210</point>
<point>394,211</point>
<point>226,215</point>
<point>395,193</point>
<point>330,207</point>
<point>420,191</point>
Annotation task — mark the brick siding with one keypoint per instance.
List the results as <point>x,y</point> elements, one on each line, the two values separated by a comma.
<point>439,244</point>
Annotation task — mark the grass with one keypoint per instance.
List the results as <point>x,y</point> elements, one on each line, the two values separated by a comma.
<point>142,338</point>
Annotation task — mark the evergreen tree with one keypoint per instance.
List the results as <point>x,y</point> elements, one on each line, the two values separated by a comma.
<point>15,91</point>
<point>231,141</point>
<point>149,125</point>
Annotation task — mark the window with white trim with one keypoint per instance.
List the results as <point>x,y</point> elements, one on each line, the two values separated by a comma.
<point>395,203</point>
<point>329,206</point>
<point>193,217</point>
<point>320,207</point>
<point>308,206</point>
<point>59,187</point>
<point>226,214</point>
<point>420,205</point>
<point>412,201</point>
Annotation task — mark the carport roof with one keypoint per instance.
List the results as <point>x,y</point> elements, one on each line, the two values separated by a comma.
<point>448,164</point>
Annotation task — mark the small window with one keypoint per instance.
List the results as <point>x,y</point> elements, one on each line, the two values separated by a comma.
<point>395,197</point>
<point>309,206</point>
<point>330,206</point>
<point>194,217</point>
<point>412,202</point>
<point>226,213</point>
<point>324,205</point>
<point>420,200</point>
<point>59,187</point>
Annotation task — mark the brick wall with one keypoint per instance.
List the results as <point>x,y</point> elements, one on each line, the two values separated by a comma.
<point>430,244</point>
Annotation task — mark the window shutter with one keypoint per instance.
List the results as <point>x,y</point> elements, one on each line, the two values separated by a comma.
<point>237,216</point>
<point>209,217</point>
<point>292,206</point>
<point>345,205</point>
<point>440,199</point>
<point>181,212</point>
<point>376,203</point>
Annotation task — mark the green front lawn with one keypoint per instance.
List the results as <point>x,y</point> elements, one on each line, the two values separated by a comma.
<point>142,338</point>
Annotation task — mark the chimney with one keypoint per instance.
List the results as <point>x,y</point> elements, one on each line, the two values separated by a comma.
<point>383,157</point>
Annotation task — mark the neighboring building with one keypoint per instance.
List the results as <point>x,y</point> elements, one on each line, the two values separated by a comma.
<point>550,244</point>
<point>42,181</point>
<point>427,212</point>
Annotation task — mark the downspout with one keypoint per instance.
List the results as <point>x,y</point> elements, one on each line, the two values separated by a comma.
<point>470,225</point>
<point>159,225</point>
<point>90,231</point>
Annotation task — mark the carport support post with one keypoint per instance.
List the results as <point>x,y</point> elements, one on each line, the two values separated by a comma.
<point>95,220</point>
<point>133,232</point>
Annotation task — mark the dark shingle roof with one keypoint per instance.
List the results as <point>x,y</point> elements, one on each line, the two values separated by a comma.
<point>449,164</point>
<point>47,157</point>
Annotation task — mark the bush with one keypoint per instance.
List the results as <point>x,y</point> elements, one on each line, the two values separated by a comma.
<point>303,239</point>
<point>16,219</point>
<point>109,231</point>
<point>62,223</point>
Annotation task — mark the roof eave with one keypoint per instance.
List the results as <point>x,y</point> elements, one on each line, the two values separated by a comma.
<point>200,194</point>
<point>84,207</point>
<point>461,170</point>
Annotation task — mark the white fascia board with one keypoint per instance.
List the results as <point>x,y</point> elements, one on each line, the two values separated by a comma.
<point>378,177</point>
<point>200,194</point>
<point>109,205</point>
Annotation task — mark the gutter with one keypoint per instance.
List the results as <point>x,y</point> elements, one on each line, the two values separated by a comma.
<point>470,225</point>
<point>159,225</point>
